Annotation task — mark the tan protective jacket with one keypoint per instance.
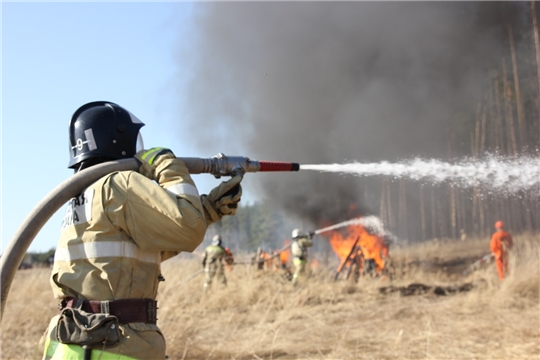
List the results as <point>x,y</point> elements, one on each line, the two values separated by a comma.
<point>299,247</point>
<point>115,235</point>
<point>213,255</point>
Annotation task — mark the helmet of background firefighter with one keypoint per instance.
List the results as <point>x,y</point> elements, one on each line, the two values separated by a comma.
<point>216,240</point>
<point>499,225</point>
<point>296,233</point>
<point>102,131</point>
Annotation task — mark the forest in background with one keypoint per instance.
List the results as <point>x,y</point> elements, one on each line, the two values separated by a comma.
<point>505,122</point>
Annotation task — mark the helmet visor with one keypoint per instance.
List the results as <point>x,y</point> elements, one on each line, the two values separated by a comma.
<point>140,143</point>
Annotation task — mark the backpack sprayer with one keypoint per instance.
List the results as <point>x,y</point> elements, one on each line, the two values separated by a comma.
<point>219,165</point>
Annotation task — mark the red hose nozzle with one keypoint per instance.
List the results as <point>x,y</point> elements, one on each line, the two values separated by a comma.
<point>278,166</point>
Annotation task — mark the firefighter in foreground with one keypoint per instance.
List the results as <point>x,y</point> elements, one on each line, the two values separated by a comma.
<point>214,258</point>
<point>116,233</point>
<point>501,243</point>
<point>299,251</point>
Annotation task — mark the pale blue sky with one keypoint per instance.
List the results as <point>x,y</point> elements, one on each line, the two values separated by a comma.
<point>59,56</point>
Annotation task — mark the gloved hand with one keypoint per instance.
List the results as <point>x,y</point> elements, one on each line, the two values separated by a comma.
<point>147,160</point>
<point>223,199</point>
<point>311,234</point>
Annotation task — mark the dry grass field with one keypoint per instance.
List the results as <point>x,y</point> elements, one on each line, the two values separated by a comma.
<point>260,316</point>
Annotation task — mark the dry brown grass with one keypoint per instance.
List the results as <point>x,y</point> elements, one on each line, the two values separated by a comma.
<point>259,315</point>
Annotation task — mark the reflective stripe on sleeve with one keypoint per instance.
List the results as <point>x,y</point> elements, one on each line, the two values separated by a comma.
<point>183,189</point>
<point>103,249</point>
<point>151,154</point>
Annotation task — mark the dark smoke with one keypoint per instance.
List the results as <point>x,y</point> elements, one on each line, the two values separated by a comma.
<point>318,83</point>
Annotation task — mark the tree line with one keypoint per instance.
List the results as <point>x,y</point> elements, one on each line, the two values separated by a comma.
<point>504,122</point>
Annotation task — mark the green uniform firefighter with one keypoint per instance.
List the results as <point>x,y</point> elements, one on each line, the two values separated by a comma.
<point>214,259</point>
<point>299,251</point>
<point>115,235</point>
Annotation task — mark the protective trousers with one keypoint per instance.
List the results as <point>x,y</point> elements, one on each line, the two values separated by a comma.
<point>299,270</point>
<point>370,267</point>
<point>57,351</point>
<point>138,341</point>
<point>502,265</point>
<point>212,270</point>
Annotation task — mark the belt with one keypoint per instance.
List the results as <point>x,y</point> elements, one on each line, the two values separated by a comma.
<point>126,310</point>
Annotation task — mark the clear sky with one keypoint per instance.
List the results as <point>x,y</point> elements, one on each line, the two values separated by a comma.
<point>59,56</point>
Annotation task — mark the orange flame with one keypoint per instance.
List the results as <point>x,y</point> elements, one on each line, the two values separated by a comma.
<point>342,244</point>
<point>371,245</point>
<point>266,258</point>
<point>285,255</point>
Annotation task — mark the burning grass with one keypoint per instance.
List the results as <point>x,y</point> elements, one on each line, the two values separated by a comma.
<point>259,315</point>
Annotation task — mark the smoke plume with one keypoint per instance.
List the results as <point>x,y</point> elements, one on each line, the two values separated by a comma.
<point>319,83</point>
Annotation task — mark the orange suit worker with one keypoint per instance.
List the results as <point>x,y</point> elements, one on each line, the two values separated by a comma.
<point>501,243</point>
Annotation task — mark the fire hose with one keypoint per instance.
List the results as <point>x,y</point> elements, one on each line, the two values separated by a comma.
<point>274,255</point>
<point>219,165</point>
<point>476,265</point>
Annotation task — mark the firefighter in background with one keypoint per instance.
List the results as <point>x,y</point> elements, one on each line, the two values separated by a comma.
<point>385,254</point>
<point>501,243</point>
<point>281,261</point>
<point>299,251</point>
<point>368,265</point>
<point>462,235</point>
<point>385,248</point>
<point>116,233</point>
<point>262,259</point>
<point>374,252</point>
<point>215,257</point>
<point>257,259</point>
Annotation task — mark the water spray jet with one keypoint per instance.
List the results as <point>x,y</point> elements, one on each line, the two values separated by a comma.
<point>373,223</point>
<point>506,176</point>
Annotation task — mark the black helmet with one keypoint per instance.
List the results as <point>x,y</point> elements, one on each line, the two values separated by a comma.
<point>102,131</point>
